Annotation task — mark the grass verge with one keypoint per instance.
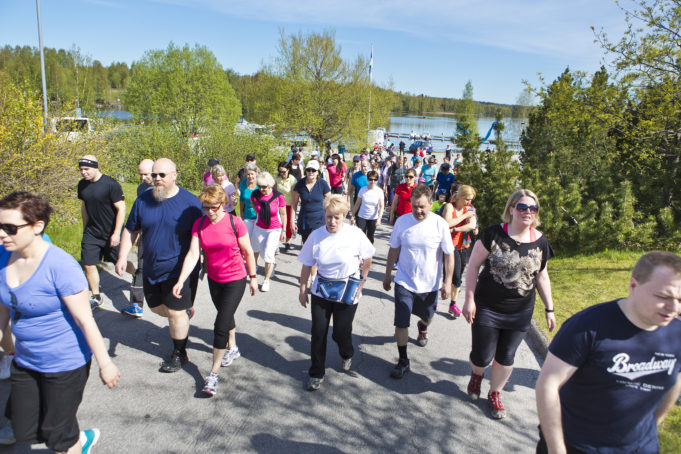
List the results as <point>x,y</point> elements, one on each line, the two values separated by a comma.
<point>582,281</point>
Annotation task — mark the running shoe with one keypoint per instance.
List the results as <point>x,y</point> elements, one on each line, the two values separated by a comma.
<point>474,386</point>
<point>495,405</point>
<point>88,438</point>
<point>401,368</point>
<point>211,385</point>
<point>346,364</point>
<point>7,435</point>
<point>454,310</point>
<point>190,312</point>
<point>314,383</point>
<point>96,302</point>
<point>422,339</point>
<point>287,247</point>
<point>175,362</point>
<point>230,355</point>
<point>265,287</point>
<point>134,310</point>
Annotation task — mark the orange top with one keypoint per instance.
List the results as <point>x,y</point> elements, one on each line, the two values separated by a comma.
<point>457,237</point>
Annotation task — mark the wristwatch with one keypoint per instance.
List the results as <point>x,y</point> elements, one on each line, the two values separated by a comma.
<point>252,276</point>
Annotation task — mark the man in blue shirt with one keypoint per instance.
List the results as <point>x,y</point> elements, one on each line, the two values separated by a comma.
<point>165,216</point>
<point>444,179</point>
<point>612,371</point>
<point>359,180</point>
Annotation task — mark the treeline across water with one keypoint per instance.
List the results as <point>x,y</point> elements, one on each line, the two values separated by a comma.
<point>74,78</point>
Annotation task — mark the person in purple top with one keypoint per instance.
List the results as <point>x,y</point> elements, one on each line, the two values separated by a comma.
<point>44,293</point>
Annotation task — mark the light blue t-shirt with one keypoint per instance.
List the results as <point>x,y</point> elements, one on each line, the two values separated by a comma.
<point>48,340</point>
<point>428,173</point>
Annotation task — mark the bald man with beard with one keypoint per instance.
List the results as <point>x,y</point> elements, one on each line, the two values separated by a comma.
<point>164,216</point>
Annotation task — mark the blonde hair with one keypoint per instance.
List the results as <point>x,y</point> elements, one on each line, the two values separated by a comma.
<point>213,194</point>
<point>264,179</point>
<point>336,203</point>
<point>511,202</point>
<point>464,191</point>
<point>216,170</point>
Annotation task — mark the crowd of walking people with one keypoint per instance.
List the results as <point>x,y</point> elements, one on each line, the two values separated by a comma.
<point>435,246</point>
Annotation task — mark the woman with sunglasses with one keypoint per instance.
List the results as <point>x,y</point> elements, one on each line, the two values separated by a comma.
<point>402,200</point>
<point>337,170</point>
<point>44,291</point>
<point>368,209</point>
<point>310,193</point>
<point>224,239</point>
<point>268,232</point>
<point>500,300</point>
<point>246,187</point>
<point>285,183</point>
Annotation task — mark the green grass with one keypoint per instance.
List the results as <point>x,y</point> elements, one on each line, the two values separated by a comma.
<point>582,281</point>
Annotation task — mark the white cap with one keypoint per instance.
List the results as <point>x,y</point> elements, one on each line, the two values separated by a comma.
<point>312,164</point>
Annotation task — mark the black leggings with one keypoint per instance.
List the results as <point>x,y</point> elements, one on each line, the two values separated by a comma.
<point>458,267</point>
<point>337,190</point>
<point>500,344</point>
<point>226,297</point>
<point>368,226</point>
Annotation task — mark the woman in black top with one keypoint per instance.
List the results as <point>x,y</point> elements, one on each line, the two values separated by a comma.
<point>500,301</point>
<point>294,167</point>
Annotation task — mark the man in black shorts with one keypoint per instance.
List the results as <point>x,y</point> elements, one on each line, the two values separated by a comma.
<point>612,371</point>
<point>165,216</point>
<point>137,288</point>
<point>103,211</point>
<point>423,243</point>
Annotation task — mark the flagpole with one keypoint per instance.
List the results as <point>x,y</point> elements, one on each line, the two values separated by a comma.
<point>371,68</point>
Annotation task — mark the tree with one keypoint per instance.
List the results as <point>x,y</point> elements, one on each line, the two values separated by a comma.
<point>185,87</point>
<point>319,92</point>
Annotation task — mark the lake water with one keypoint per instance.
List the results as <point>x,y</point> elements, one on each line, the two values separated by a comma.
<point>445,125</point>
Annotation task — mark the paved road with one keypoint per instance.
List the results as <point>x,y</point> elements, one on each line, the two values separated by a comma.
<point>262,405</point>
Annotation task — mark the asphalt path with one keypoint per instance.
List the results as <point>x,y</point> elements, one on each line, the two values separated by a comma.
<point>262,405</point>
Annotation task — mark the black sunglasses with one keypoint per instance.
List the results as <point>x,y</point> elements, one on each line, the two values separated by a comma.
<point>310,170</point>
<point>12,229</point>
<point>372,179</point>
<point>263,187</point>
<point>525,207</point>
<point>162,175</point>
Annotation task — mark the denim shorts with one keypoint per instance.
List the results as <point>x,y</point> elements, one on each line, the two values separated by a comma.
<point>422,305</point>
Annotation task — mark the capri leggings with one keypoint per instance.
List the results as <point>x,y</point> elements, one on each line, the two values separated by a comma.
<point>226,297</point>
<point>500,344</point>
<point>458,267</point>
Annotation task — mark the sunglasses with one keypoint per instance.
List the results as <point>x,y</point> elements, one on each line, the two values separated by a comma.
<point>372,179</point>
<point>211,207</point>
<point>161,175</point>
<point>263,187</point>
<point>310,170</point>
<point>12,229</point>
<point>525,207</point>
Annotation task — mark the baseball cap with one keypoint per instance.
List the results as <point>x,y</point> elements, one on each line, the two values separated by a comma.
<point>250,157</point>
<point>356,158</point>
<point>312,164</point>
<point>213,162</point>
<point>445,166</point>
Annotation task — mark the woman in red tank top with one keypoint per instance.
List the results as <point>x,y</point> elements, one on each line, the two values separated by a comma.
<point>460,220</point>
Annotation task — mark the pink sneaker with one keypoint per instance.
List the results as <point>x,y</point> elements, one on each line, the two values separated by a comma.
<point>454,310</point>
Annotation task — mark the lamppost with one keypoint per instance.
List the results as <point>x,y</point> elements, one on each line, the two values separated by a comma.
<point>42,66</point>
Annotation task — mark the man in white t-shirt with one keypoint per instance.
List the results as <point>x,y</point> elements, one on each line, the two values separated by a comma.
<point>423,243</point>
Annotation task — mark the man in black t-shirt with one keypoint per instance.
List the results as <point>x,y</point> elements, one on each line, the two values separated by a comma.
<point>103,211</point>
<point>612,371</point>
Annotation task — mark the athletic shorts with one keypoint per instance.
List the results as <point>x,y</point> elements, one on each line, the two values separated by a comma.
<point>43,406</point>
<point>161,293</point>
<point>266,242</point>
<point>422,305</point>
<point>93,254</point>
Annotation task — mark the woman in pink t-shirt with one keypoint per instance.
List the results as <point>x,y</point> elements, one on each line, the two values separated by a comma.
<point>337,170</point>
<point>270,206</point>
<point>224,240</point>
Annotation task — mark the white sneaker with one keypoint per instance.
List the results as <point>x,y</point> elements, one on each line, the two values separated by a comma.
<point>265,287</point>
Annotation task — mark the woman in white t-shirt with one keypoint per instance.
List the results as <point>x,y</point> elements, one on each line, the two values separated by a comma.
<point>337,250</point>
<point>368,209</point>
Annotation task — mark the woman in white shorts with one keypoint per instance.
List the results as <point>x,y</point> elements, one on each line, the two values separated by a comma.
<point>270,207</point>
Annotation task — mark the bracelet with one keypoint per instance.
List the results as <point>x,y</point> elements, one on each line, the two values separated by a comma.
<point>252,276</point>
<point>549,311</point>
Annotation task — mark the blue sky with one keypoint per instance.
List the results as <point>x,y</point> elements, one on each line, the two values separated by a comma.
<point>431,47</point>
